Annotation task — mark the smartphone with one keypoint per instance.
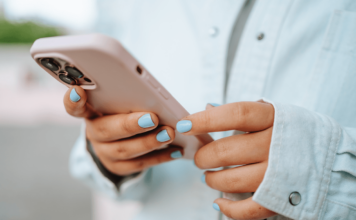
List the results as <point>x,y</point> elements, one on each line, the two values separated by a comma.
<point>114,80</point>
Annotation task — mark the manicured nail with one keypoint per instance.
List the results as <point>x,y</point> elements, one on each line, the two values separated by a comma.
<point>184,126</point>
<point>216,207</point>
<point>74,96</point>
<point>176,154</point>
<point>203,179</point>
<point>214,104</point>
<point>163,136</point>
<point>145,121</point>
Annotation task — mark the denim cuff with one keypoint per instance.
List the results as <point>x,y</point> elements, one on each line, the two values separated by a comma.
<point>302,153</point>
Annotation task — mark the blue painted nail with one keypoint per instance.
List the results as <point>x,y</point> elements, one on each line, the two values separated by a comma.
<point>163,136</point>
<point>216,207</point>
<point>176,154</point>
<point>145,121</point>
<point>74,96</point>
<point>203,179</point>
<point>214,104</point>
<point>184,126</point>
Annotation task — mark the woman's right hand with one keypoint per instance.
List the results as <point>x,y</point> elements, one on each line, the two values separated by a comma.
<point>124,143</point>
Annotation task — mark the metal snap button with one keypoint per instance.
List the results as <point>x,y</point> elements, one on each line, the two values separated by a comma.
<point>260,36</point>
<point>295,198</point>
<point>213,31</point>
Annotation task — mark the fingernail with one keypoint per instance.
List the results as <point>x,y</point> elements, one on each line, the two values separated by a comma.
<point>216,207</point>
<point>176,154</point>
<point>184,126</point>
<point>203,179</point>
<point>163,136</point>
<point>145,121</point>
<point>214,104</point>
<point>74,96</point>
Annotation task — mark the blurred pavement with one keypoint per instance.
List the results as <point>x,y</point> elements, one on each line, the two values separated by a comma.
<point>35,181</point>
<point>36,136</point>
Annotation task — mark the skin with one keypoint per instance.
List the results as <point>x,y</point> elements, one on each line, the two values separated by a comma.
<point>124,148</point>
<point>249,150</point>
<point>121,145</point>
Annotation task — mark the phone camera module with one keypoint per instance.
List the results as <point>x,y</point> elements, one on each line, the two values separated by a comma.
<point>74,72</point>
<point>67,79</point>
<point>87,80</point>
<point>50,64</point>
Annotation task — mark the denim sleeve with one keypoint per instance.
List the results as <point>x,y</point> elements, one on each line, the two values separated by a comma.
<point>83,167</point>
<point>310,154</point>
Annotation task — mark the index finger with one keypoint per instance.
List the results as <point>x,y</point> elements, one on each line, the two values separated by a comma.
<point>242,116</point>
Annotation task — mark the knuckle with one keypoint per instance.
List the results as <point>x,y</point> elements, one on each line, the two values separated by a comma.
<point>138,165</point>
<point>122,153</point>
<point>252,213</point>
<point>102,131</point>
<point>148,143</point>
<point>159,160</point>
<point>127,125</point>
<point>205,119</point>
<point>232,182</point>
<point>240,112</point>
<point>221,151</point>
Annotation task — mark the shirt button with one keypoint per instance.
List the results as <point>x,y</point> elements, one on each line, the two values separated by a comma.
<point>213,31</point>
<point>295,198</point>
<point>260,36</point>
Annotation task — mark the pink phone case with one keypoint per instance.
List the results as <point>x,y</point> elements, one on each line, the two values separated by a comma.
<point>119,84</point>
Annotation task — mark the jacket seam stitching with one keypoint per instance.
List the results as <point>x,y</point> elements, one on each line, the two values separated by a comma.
<point>333,154</point>
<point>341,204</point>
<point>282,116</point>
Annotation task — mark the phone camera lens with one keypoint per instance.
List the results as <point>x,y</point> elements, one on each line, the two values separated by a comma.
<point>74,72</point>
<point>50,64</point>
<point>67,79</point>
<point>88,80</point>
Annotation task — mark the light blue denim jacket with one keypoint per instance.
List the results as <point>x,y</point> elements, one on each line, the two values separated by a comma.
<point>305,65</point>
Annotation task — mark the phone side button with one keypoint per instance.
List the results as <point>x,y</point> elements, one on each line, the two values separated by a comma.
<point>163,93</point>
<point>152,82</point>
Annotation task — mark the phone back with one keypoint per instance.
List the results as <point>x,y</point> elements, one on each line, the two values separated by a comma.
<point>115,82</point>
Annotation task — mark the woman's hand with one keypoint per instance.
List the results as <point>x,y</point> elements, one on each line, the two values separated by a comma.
<point>249,150</point>
<point>124,143</point>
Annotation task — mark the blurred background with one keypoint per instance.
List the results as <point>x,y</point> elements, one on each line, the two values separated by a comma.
<point>36,137</point>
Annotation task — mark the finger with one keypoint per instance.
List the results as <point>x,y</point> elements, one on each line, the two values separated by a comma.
<point>135,146</point>
<point>242,116</point>
<point>146,161</point>
<point>242,210</point>
<point>114,127</point>
<point>235,150</point>
<point>237,180</point>
<point>75,103</point>
<point>211,105</point>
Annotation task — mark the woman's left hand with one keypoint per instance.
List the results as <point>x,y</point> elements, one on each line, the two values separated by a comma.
<point>249,150</point>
